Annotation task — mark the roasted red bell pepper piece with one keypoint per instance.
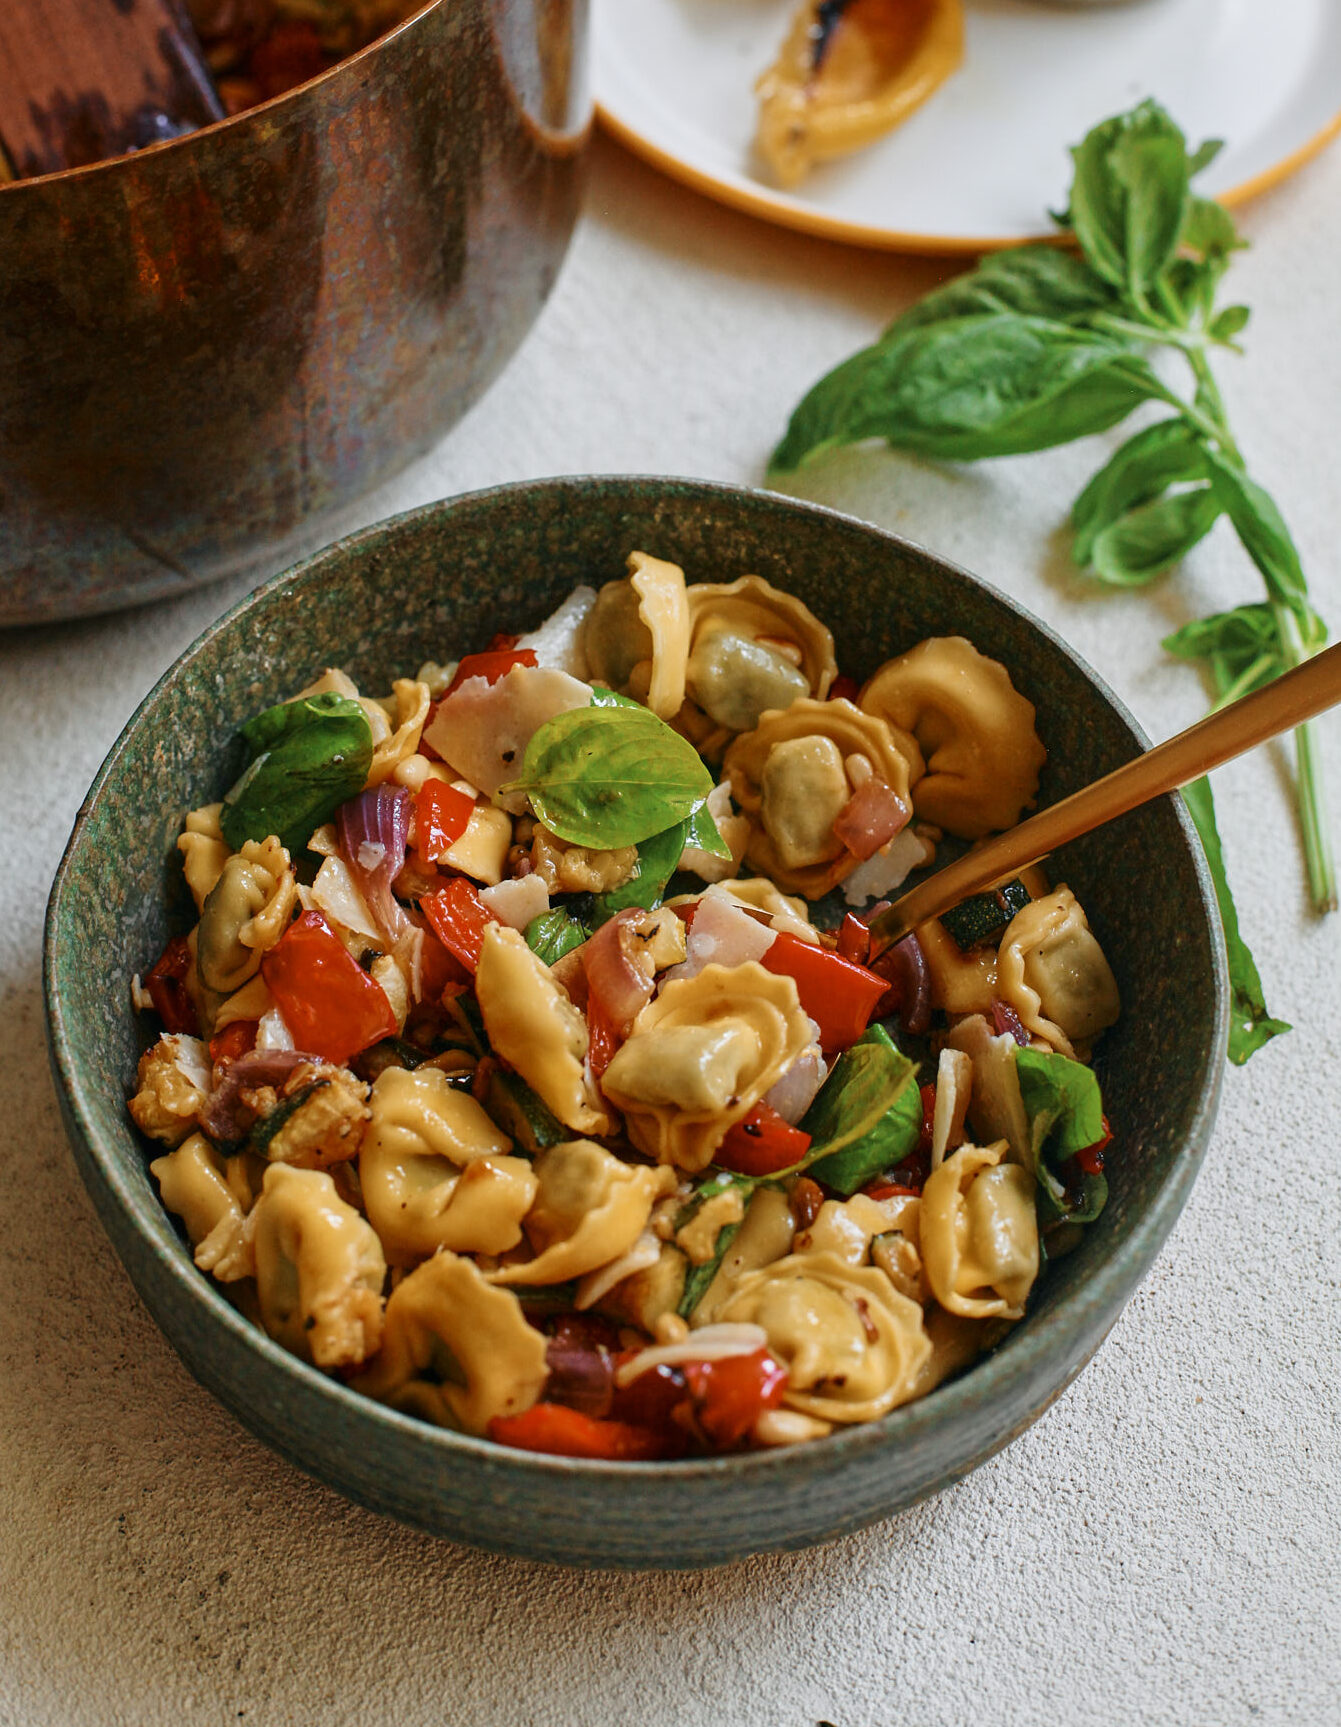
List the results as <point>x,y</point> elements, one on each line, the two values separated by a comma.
<point>1091,1157</point>
<point>234,1040</point>
<point>458,917</point>
<point>762,1144</point>
<point>329,1003</point>
<point>854,939</point>
<point>440,973</point>
<point>441,816</point>
<point>491,666</point>
<point>563,1432</point>
<point>166,983</point>
<point>838,995</point>
<point>844,688</point>
<point>730,1395</point>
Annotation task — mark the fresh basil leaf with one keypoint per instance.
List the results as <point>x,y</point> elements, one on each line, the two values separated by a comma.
<point>1242,647</point>
<point>1056,1204</point>
<point>603,698</point>
<point>1063,1103</point>
<point>1149,540</point>
<point>646,887</point>
<point>995,384</point>
<point>308,756</point>
<point>1149,158</point>
<point>867,1116</point>
<point>1204,154</point>
<point>553,934</point>
<point>1162,455</point>
<point>1228,323</point>
<point>1097,207</point>
<point>703,834</point>
<point>1265,537</point>
<point>1039,281</point>
<point>610,776</point>
<point>1209,231</point>
<point>1250,1025</point>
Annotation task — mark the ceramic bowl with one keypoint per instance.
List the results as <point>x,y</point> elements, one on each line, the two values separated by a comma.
<point>211,349</point>
<point>440,581</point>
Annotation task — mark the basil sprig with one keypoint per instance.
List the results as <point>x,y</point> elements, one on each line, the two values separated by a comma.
<point>1037,347</point>
<point>308,757</point>
<point>1065,1110</point>
<point>611,775</point>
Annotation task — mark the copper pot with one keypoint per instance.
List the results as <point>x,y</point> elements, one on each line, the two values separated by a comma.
<point>209,349</point>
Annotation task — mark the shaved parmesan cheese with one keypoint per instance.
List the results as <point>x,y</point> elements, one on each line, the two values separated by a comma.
<point>482,729</point>
<point>558,641</point>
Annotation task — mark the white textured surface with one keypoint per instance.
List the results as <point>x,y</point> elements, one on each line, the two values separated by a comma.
<point>1162,1546</point>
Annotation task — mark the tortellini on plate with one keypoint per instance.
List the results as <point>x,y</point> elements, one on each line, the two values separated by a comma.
<point>796,773</point>
<point>853,1346</point>
<point>979,1233</point>
<point>1052,971</point>
<point>976,731</point>
<point>701,1055</point>
<point>435,1170</point>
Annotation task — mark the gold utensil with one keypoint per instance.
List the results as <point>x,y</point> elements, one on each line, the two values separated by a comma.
<point>1277,707</point>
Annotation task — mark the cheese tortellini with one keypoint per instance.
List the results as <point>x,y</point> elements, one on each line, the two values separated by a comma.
<point>247,911</point>
<point>795,774</point>
<point>457,1351</point>
<point>852,1344</point>
<point>435,1173</point>
<point>753,648</point>
<point>701,1055</point>
<point>636,636</point>
<point>1052,971</point>
<point>976,731</point>
<point>979,1233</point>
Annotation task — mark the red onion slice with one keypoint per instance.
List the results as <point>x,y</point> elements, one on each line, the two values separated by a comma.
<point>1008,1022</point>
<point>871,817</point>
<point>909,994</point>
<point>373,829</point>
<point>581,1375</point>
<point>614,978</point>
<point>225,1118</point>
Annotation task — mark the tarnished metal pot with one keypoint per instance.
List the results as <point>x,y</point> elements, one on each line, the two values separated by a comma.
<point>209,349</point>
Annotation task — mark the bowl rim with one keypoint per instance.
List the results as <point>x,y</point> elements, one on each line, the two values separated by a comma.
<point>1072,1331</point>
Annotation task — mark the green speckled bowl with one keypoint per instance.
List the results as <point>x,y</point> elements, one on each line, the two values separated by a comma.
<point>440,581</point>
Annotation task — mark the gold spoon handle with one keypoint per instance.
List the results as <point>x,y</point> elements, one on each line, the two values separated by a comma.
<point>1278,707</point>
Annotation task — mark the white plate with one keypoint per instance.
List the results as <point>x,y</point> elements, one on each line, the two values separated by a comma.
<point>980,164</point>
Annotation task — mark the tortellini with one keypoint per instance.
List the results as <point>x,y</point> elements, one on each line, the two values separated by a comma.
<point>319,1269</point>
<point>435,1173</point>
<point>753,648</point>
<point>204,851</point>
<point>456,1351</point>
<point>194,1184</point>
<point>410,699</point>
<point>247,911</point>
<point>701,1055</point>
<point>590,1207</point>
<point>962,981</point>
<point>636,636</point>
<point>1052,971</point>
<point>979,1233</point>
<point>853,1346</point>
<point>535,1027</point>
<point>976,731</point>
<point>794,775</point>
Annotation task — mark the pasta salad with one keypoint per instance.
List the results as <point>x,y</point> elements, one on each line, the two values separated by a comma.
<point>528,1066</point>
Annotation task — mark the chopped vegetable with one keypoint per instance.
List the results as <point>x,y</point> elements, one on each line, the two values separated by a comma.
<point>762,1144</point>
<point>491,666</point>
<point>555,933</point>
<point>308,756</point>
<point>1065,1110</point>
<point>983,917</point>
<point>166,984</point>
<point>331,1006</point>
<point>868,1115</point>
<point>731,1394</point>
<point>563,1432</point>
<point>234,1040</point>
<point>838,995</point>
<point>459,918</point>
<point>441,816</point>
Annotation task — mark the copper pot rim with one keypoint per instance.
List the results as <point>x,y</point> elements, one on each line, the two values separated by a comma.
<point>110,164</point>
